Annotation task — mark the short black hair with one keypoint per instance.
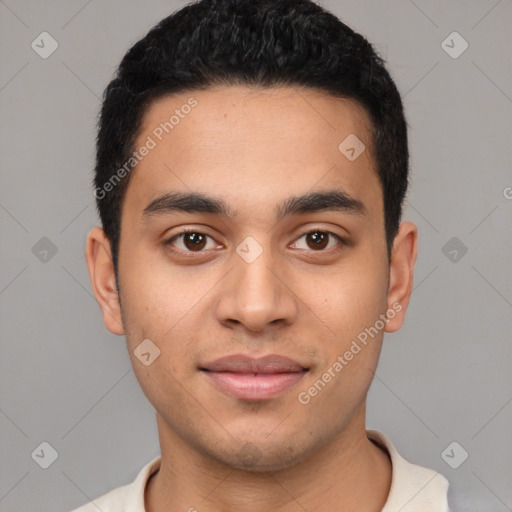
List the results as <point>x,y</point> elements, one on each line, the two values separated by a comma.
<point>262,43</point>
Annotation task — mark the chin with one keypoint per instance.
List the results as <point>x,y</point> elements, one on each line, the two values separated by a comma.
<point>261,456</point>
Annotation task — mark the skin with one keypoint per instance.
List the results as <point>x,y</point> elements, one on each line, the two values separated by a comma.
<point>254,149</point>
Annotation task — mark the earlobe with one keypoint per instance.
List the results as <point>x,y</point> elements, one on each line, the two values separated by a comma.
<point>101,272</point>
<point>401,274</point>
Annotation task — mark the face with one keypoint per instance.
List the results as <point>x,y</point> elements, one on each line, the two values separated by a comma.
<point>284,254</point>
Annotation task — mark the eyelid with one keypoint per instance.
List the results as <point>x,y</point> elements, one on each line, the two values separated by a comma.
<point>342,241</point>
<point>169,241</point>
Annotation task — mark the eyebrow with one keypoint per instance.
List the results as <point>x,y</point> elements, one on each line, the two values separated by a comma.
<point>194,202</point>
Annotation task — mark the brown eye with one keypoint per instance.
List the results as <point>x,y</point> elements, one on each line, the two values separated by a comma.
<point>319,240</point>
<point>190,241</point>
<point>194,241</point>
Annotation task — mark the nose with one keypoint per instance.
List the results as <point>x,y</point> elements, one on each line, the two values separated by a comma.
<point>256,295</point>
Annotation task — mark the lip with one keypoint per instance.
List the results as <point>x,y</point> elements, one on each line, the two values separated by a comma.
<point>249,378</point>
<point>241,363</point>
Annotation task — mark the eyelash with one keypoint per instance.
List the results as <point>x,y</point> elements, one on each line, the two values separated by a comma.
<point>341,241</point>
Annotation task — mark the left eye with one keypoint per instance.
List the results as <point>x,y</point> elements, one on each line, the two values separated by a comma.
<point>319,240</point>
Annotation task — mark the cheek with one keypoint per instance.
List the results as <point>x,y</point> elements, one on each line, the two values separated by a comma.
<point>357,302</point>
<point>156,295</point>
<point>350,300</point>
<point>170,327</point>
<point>165,305</point>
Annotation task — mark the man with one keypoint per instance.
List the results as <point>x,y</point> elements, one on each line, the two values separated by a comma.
<point>252,162</point>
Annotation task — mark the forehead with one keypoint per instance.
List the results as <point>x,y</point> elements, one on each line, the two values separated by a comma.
<point>260,145</point>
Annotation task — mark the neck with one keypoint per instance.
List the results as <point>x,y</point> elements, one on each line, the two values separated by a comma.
<point>347,473</point>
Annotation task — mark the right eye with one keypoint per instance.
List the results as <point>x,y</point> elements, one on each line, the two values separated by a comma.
<point>190,240</point>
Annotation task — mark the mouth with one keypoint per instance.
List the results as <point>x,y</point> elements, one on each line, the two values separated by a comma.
<point>247,378</point>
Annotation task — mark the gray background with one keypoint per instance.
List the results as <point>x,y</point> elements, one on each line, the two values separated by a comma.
<point>444,377</point>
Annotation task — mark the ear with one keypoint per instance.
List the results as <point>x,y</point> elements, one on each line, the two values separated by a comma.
<point>101,271</point>
<point>401,274</point>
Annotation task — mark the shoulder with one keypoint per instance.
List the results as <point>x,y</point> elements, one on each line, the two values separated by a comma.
<point>108,502</point>
<point>127,498</point>
<point>412,486</point>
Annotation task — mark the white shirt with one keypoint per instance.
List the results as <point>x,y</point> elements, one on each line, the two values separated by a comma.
<point>413,488</point>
